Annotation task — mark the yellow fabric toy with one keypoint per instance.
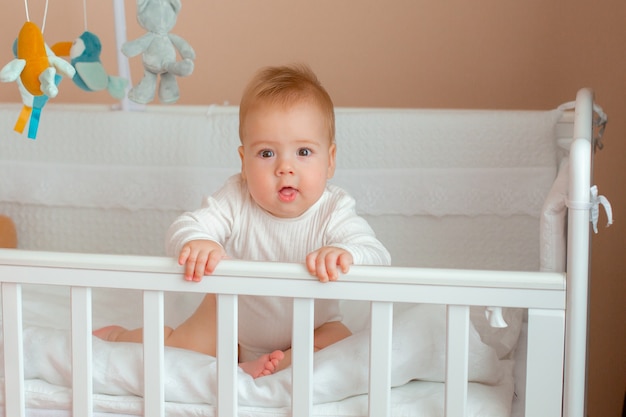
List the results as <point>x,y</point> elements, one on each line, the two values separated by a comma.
<point>35,65</point>
<point>37,72</point>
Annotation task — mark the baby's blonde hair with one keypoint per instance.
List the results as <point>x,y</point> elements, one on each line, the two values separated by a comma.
<point>287,85</point>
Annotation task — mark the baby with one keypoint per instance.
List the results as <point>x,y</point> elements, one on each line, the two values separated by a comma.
<point>279,208</point>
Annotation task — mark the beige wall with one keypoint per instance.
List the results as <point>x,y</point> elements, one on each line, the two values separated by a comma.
<point>411,53</point>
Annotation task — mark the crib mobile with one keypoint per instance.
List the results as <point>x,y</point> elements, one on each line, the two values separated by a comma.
<point>38,69</point>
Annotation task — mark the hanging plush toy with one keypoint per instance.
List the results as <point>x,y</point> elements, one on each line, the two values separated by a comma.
<point>159,47</point>
<point>84,54</point>
<point>37,72</point>
<point>90,75</point>
<point>35,64</point>
<point>32,106</point>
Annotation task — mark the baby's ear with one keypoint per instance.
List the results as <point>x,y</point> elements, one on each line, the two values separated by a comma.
<point>243,174</point>
<point>332,153</point>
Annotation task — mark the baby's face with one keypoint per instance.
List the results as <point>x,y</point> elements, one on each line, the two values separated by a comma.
<point>286,156</point>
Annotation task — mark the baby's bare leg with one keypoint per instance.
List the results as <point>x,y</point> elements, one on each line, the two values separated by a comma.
<point>197,333</point>
<point>120,334</point>
<point>324,336</point>
<point>329,333</point>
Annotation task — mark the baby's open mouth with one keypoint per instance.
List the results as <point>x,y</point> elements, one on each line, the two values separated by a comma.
<point>287,194</point>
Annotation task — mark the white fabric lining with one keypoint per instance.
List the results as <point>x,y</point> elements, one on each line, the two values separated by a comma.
<point>417,191</point>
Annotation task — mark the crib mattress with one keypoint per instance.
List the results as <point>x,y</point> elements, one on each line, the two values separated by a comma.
<point>414,399</point>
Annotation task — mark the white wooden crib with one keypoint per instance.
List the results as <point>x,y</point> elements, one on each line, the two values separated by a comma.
<point>86,227</point>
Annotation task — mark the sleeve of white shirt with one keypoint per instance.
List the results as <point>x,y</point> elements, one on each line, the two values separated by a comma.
<point>213,221</point>
<point>349,231</point>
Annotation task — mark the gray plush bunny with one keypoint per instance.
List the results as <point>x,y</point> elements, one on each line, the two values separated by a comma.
<point>159,47</point>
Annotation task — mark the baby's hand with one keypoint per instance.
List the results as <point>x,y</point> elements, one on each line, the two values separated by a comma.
<point>200,258</point>
<point>323,263</point>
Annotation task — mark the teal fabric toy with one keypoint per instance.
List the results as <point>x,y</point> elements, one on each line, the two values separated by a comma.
<point>158,48</point>
<point>90,75</point>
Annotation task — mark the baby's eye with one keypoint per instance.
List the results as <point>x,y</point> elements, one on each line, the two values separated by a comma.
<point>304,152</point>
<point>266,153</point>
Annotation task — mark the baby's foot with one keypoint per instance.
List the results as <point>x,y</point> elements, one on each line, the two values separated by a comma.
<point>265,365</point>
<point>109,333</point>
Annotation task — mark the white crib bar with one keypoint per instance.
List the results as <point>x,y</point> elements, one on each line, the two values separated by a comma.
<point>302,357</point>
<point>578,259</point>
<point>380,359</point>
<point>82,364</point>
<point>13,350</point>
<point>153,354</point>
<point>544,376</point>
<point>227,355</point>
<point>457,360</point>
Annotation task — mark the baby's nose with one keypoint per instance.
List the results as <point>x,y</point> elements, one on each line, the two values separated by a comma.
<point>284,167</point>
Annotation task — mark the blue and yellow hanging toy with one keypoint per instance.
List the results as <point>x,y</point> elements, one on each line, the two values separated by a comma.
<point>37,72</point>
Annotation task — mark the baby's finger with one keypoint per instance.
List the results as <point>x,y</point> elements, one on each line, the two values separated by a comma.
<point>214,258</point>
<point>344,262</point>
<point>321,267</point>
<point>190,267</point>
<point>331,266</point>
<point>184,255</point>
<point>311,260</point>
<point>199,267</point>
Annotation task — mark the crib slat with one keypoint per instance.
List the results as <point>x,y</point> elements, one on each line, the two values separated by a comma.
<point>82,363</point>
<point>302,357</point>
<point>13,350</point>
<point>153,353</point>
<point>545,355</point>
<point>457,360</point>
<point>380,359</point>
<point>227,355</point>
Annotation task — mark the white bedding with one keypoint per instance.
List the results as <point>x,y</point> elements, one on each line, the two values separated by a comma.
<point>340,370</point>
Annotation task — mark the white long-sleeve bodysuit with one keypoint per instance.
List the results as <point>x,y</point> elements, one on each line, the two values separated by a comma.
<point>246,231</point>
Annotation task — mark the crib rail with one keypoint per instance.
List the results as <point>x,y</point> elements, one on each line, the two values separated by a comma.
<point>542,293</point>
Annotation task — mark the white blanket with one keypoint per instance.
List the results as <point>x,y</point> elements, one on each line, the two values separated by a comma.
<point>340,371</point>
